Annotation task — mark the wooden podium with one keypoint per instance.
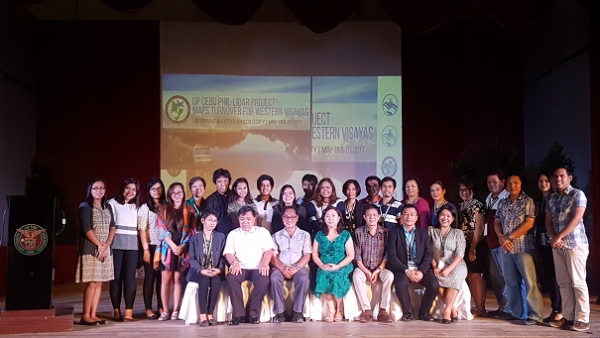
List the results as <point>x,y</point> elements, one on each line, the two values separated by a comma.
<point>30,260</point>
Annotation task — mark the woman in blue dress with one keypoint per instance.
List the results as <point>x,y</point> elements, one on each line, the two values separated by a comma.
<point>333,253</point>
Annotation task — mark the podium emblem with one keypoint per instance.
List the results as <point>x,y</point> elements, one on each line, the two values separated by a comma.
<point>31,239</point>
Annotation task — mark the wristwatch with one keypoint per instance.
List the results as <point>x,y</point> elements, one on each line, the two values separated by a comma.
<point>297,267</point>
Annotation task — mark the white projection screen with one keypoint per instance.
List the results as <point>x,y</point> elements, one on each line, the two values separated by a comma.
<point>278,99</point>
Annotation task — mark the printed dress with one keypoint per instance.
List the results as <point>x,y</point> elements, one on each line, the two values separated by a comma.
<point>335,283</point>
<point>89,268</point>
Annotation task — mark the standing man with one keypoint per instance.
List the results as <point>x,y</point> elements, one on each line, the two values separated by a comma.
<point>370,253</point>
<point>290,261</point>
<point>410,254</point>
<point>390,208</point>
<point>309,182</point>
<point>514,223</point>
<point>373,185</point>
<point>248,250</point>
<point>264,201</point>
<point>564,223</point>
<point>495,183</point>
<point>197,186</point>
<point>217,201</point>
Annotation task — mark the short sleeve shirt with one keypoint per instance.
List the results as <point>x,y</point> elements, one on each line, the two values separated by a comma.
<point>512,215</point>
<point>249,246</point>
<point>291,249</point>
<point>562,207</point>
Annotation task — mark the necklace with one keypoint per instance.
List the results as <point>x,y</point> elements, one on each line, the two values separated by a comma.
<point>408,201</point>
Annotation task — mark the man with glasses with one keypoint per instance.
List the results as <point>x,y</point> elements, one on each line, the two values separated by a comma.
<point>248,250</point>
<point>370,253</point>
<point>290,260</point>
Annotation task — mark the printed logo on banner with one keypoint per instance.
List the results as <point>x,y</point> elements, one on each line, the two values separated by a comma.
<point>389,166</point>
<point>177,109</point>
<point>390,105</point>
<point>389,136</point>
<point>31,239</point>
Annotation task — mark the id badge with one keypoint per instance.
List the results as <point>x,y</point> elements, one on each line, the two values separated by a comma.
<point>441,265</point>
<point>485,229</point>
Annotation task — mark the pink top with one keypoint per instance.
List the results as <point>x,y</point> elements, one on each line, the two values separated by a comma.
<point>423,211</point>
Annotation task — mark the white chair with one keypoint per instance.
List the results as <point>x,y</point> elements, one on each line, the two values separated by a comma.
<point>190,309</point>
<point>462,302</point>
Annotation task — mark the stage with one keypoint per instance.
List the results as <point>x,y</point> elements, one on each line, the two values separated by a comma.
<point>72,293</point>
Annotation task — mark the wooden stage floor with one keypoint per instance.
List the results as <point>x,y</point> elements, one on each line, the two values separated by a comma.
<point>143,328</point>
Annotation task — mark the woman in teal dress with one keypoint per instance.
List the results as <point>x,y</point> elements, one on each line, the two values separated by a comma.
<point>333,252</point>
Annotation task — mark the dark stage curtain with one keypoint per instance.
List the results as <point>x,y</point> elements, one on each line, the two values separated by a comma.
<point>516,14</point>
<point>321,16</point>
<point>419,16</point>
<point>592,5</point>
<point>128,6</point>
<point>229,12</point>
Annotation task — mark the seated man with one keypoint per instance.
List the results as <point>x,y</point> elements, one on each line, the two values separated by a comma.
<point>290,258</point>
<point>370,252</point>
<point>248,250</point>
<point>410,254</point>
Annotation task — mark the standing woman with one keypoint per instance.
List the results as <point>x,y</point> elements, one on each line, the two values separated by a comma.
<point>149,236</point>
<point>264,201</point>
<point>95,263</point>
<point>176,221</point>
<point>545,249</point>
<point>333,253</point>
<point>239,196</point>
<point>438,194</point>
<point>287,198</point>
<point>125,248</point>
<point>197,201</point>
<point>471,222</point>
<point>353,211</point>
<point>324,197</point>
<point>412,188</point>
<point>448,265</point>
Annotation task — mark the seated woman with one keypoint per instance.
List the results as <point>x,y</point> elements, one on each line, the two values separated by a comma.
<point>438,194</point>
<point>324,197</point>
<point>239,196</point>
<point>353,212</point>
<point>287,198</point>
<point>448,264</point>
<point>333,253</point>
<point>207,266</point>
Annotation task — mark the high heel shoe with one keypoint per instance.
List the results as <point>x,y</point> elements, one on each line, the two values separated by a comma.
<point>446,321</point>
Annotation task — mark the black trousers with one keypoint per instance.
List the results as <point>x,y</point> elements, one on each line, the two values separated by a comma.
<point>234,286</point>
<point>429,281</point>
<point>208,291</point>
<point>548,262</point>
<point>152,282</point>
<point>125,264</point>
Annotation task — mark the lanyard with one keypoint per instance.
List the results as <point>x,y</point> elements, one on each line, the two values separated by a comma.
<point>411,256</point>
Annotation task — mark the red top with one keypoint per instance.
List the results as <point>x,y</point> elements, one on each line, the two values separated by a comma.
<point>491,238</point>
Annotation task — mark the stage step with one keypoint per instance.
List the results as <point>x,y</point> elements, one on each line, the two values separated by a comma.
<point>34,321</point>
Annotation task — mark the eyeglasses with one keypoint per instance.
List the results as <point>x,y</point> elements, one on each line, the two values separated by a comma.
<point>178,193</point>
<point>464,190</point>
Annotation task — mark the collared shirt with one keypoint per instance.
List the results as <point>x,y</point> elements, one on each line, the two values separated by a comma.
<point>512,215</point>
<point>366,200</point>
<point>562,207</point>
<point>265,210</point>
<point>390,213</point>
<point>492,203</point>
<point>218,203</point>
<point>411,245</point>
<point>249,246</point>
<point>368,249</point>
<point>291,249</point>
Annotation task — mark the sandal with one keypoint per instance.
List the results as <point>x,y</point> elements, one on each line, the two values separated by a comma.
<point>338,316</point>
<point>329,317</point>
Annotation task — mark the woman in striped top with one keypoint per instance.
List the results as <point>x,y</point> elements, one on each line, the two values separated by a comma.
<point>125,248</point>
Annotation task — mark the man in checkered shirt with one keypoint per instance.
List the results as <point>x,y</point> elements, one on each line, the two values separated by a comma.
<point>513,223</point>
<point>564,223</point>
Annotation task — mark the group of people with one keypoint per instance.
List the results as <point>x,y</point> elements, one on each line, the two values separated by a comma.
<point>327,245</point>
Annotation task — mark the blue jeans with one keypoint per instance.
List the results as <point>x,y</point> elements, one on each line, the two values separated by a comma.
<point>497,279</point>
<point>525,300</point>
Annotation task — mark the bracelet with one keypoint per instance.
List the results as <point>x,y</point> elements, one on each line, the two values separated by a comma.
<point>146,249</point>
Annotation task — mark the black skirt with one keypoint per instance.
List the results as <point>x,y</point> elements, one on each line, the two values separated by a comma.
<point>481,253</point>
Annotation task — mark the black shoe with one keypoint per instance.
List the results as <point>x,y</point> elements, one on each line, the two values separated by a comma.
<point>505,316</point>
<point>212,321</point>
<point>279,318</point>
<point>235,321</point>
<point>298,317</point>
<point>527,321</point>
<point>455,319</point>
<point>495,313</point>
<point>203,323</point>
<point>254,320</point>
<point>446,321</point>
<point>408,317</point>
<point>550,317</point>
<point>102,321</point>
<point>83,322</point>
<point>427,318</point>
<point>561,323</point>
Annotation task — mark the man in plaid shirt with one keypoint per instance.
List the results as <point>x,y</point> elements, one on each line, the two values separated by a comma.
<point>564,224</point>
<point>370,252</point>
<point>513,223</point>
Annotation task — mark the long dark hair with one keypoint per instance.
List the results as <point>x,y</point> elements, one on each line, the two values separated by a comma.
<point>317,195</point>
<point>161,199</point>
<point>136,200</point>
<point>280,206</point>
<point>89,198</point>
<point>340,225</point>
<point>233,195</point>
<point>168,213</point>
